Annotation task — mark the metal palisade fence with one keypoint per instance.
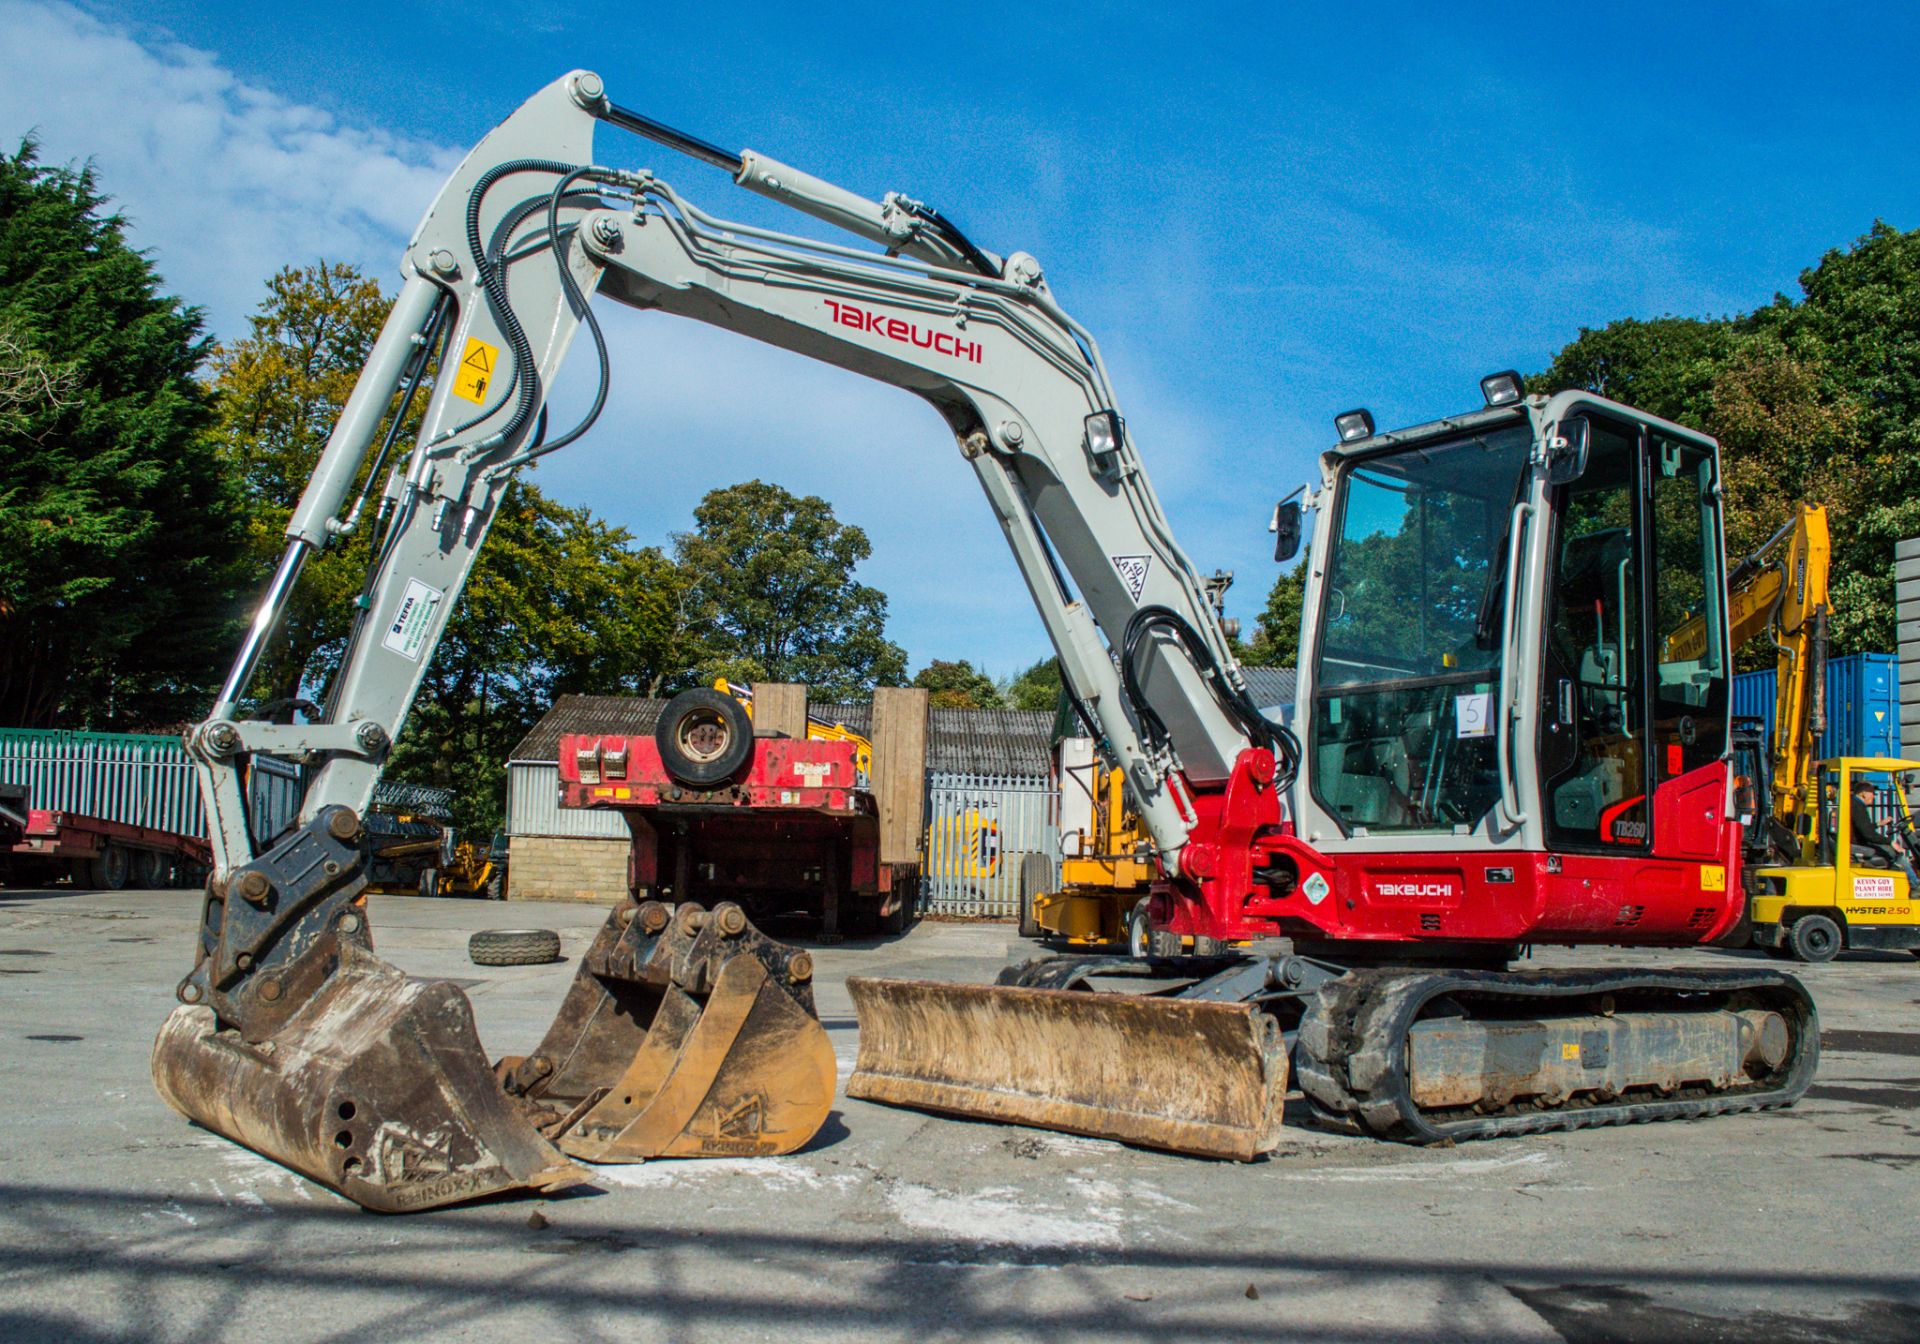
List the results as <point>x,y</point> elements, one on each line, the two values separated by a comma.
<point>139,779</point>
<point>979,830</point>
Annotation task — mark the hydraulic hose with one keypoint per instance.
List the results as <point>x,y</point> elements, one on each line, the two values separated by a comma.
<point>525,388</point>
<point>581,309</point>
<point>1276,737</point>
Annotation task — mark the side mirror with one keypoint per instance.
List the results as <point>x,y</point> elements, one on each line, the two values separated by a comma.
<point>1567,453</point>
<point>1286,530</point>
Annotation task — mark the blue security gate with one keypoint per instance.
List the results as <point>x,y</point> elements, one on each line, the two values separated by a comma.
<point>980,828</point>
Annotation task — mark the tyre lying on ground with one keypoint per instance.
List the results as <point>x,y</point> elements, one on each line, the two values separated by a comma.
<point>513,947</point>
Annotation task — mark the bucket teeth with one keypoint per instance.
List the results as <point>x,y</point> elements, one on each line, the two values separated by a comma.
<point>685,1033</point>
<point>1194,1077</point>
<point>689,1036</point>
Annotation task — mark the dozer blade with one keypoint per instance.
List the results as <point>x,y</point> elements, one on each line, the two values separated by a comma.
<point>1195,1077</point>
<point>687,1033</point>
<point>375,1086</point>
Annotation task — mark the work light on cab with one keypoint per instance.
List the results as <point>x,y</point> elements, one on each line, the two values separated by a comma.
<point>1502,389</point>
<point>1355,425</point>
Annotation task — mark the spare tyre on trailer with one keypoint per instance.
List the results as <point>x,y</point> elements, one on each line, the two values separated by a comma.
<point>704,736</point>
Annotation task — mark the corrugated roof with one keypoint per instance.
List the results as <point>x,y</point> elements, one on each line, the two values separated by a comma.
<point>1270,686</point>
<point>960,741</point>
<point>990,742</point>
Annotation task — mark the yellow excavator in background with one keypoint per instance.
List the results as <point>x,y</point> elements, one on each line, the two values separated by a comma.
<point>1780,589</point>
<point>1810,893</point>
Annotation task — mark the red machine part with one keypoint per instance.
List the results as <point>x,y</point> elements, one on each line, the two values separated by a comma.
<point>1246,875</point>
<point>68,835</point>
<point>614,771</point>
<point>794,816</point>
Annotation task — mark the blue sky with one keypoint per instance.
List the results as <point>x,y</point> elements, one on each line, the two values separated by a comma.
<point>1266,213</point>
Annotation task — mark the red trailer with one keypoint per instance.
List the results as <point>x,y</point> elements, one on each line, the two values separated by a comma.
<point>779,824</point>
<point>95,852</point>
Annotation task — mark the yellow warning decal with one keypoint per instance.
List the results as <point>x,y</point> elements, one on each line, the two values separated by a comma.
<point>1713,877</point>
<point>475,374</point>
<point>1568,1050</point>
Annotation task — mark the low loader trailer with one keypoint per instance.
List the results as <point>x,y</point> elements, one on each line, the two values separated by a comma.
<point>723,810</point>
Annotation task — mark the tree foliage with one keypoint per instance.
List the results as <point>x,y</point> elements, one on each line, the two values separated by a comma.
<point>958,685</point>
<point>1037,688</point>
<point>1276,638</point>
<point>117,533</point>
<point>771,595</point>
<point>1813,397</point>
<point>278,392</point>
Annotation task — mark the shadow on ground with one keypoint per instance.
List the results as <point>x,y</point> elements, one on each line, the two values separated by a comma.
<point>333,1271</point>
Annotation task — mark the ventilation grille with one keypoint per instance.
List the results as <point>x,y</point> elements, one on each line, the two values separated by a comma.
<point>1629,916</point>
<point>1430,923</point>
<point>1703,916</point>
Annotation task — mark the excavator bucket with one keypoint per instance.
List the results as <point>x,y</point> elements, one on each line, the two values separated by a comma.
<point>376,1086</point>
<point>1195,1077</point>
<point>685,1033</point>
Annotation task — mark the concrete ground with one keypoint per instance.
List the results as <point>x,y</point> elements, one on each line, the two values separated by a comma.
<point>120,1221</point>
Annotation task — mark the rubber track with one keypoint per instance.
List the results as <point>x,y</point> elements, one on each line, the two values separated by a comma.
<point>1350,1055</point>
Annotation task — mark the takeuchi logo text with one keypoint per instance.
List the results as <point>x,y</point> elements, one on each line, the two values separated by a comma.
<point>1415,890</point>
<point>907,333</point>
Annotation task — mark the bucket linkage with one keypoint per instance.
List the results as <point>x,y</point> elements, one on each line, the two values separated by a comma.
<point>685,1033</point>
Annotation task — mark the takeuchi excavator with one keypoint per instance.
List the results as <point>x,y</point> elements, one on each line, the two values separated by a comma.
<point>1494,752</point>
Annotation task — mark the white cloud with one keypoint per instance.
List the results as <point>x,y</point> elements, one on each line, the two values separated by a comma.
<point>224,181</point>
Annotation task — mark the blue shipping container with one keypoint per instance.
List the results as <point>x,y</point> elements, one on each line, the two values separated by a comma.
<point>1863,705</point>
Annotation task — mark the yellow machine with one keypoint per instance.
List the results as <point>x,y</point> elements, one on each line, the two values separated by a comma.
<point>1816,897</point>
<point>1840,897</point>
<point>1782,589</point>
<point>1105,867</point>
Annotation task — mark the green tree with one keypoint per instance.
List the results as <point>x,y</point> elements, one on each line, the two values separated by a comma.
<point>1276,639</point>
<point>771,594</point>
<point>1037,688</point>
<point>118,590</point>
<point>558,602</point>
<point>279,391</point>
<point>958,685</point>
<point>1812,397</point>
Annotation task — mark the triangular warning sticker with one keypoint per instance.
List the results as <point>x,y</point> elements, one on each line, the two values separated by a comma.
<point>479,356</point>
<point>1132,570</point>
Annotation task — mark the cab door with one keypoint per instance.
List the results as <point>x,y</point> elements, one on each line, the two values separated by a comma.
<point>1633,741</point>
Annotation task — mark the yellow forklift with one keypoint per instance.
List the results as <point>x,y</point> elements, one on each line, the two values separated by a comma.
<point>1838,897</point>
<point>1106,862</point>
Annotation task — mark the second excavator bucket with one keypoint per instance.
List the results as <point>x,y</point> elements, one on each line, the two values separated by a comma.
<point>685,1033</point>
<point>1195,1077</point>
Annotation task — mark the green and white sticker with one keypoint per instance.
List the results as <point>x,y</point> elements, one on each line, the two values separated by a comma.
<point>407,631</point>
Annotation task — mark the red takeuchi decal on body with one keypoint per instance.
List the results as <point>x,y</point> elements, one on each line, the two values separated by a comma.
<point>907,333</point>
